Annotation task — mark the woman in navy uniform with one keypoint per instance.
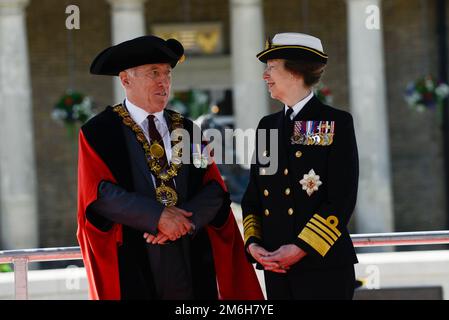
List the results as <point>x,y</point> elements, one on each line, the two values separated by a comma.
<point>295,220</point>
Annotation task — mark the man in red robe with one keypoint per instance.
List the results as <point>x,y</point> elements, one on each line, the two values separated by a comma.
<point>152,225</point>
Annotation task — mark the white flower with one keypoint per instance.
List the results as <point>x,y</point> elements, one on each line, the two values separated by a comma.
<point>86,105</point>
<point>87,102</point>
<point>442,90</point>
<point>310,182</point>
<point>429,84</point>
<point>410,100</point>
<point>76,111</point>
<point>420,108</point>
<point>59,115</point>
<point>83,109</point>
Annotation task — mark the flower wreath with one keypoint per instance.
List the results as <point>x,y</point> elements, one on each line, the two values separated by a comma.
<point>426,94</point>
<point>73,107</point>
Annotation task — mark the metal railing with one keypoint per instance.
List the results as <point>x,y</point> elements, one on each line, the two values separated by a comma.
<point>21,258</point>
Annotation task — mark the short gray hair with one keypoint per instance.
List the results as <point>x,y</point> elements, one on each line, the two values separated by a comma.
<point>131,71</point>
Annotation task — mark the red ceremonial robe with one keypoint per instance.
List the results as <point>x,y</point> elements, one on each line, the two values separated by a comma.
<point>236,278</point>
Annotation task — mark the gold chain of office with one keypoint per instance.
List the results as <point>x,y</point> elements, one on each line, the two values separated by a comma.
<point>155,151</point>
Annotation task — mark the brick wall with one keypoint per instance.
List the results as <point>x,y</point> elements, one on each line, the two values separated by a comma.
<point>415,139</point>
<point>56,152</point>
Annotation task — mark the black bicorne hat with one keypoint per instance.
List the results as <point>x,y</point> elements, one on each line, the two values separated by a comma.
<point>135,52</point>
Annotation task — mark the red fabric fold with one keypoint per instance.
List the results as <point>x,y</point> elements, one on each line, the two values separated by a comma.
<point>99,249</point>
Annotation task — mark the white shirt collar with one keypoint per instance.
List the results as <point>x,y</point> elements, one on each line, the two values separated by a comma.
<point>298,107</point>
<point>139,115</point>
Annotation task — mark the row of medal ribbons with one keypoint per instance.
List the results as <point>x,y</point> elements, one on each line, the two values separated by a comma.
<point>314,132</point>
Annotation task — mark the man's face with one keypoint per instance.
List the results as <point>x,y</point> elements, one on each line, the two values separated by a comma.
<point>279,80</point>
<point>148,86</point>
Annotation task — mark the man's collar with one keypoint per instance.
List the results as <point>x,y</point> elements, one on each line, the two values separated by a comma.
<point>139,115</point>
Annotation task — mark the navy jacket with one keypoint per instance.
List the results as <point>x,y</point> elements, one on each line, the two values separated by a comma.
<point>277,210</point>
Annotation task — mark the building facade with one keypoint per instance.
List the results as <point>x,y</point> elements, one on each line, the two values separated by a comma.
<point>402,185</point>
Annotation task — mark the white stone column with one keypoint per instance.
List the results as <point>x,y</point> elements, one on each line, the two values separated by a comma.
<point>19,221</point>
<point>127,22</point>
<point>249,90</point>
<point>374,212</point>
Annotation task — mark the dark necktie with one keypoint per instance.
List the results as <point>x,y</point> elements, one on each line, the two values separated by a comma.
<point>288,126</point>
<point>155,137</point>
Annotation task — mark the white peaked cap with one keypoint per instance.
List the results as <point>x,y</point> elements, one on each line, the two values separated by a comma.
<point>293,46</point>
<point>299,39</point>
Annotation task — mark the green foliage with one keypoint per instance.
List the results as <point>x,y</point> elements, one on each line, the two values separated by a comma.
<point>192,103</point>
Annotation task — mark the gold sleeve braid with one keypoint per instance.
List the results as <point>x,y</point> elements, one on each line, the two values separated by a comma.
<point>252,227</point>
<point>320,233</point>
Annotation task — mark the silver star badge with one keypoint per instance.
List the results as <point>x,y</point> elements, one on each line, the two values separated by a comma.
<point>310,182</point>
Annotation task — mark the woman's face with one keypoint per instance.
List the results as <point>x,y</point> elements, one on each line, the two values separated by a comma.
<point>280,81</point>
